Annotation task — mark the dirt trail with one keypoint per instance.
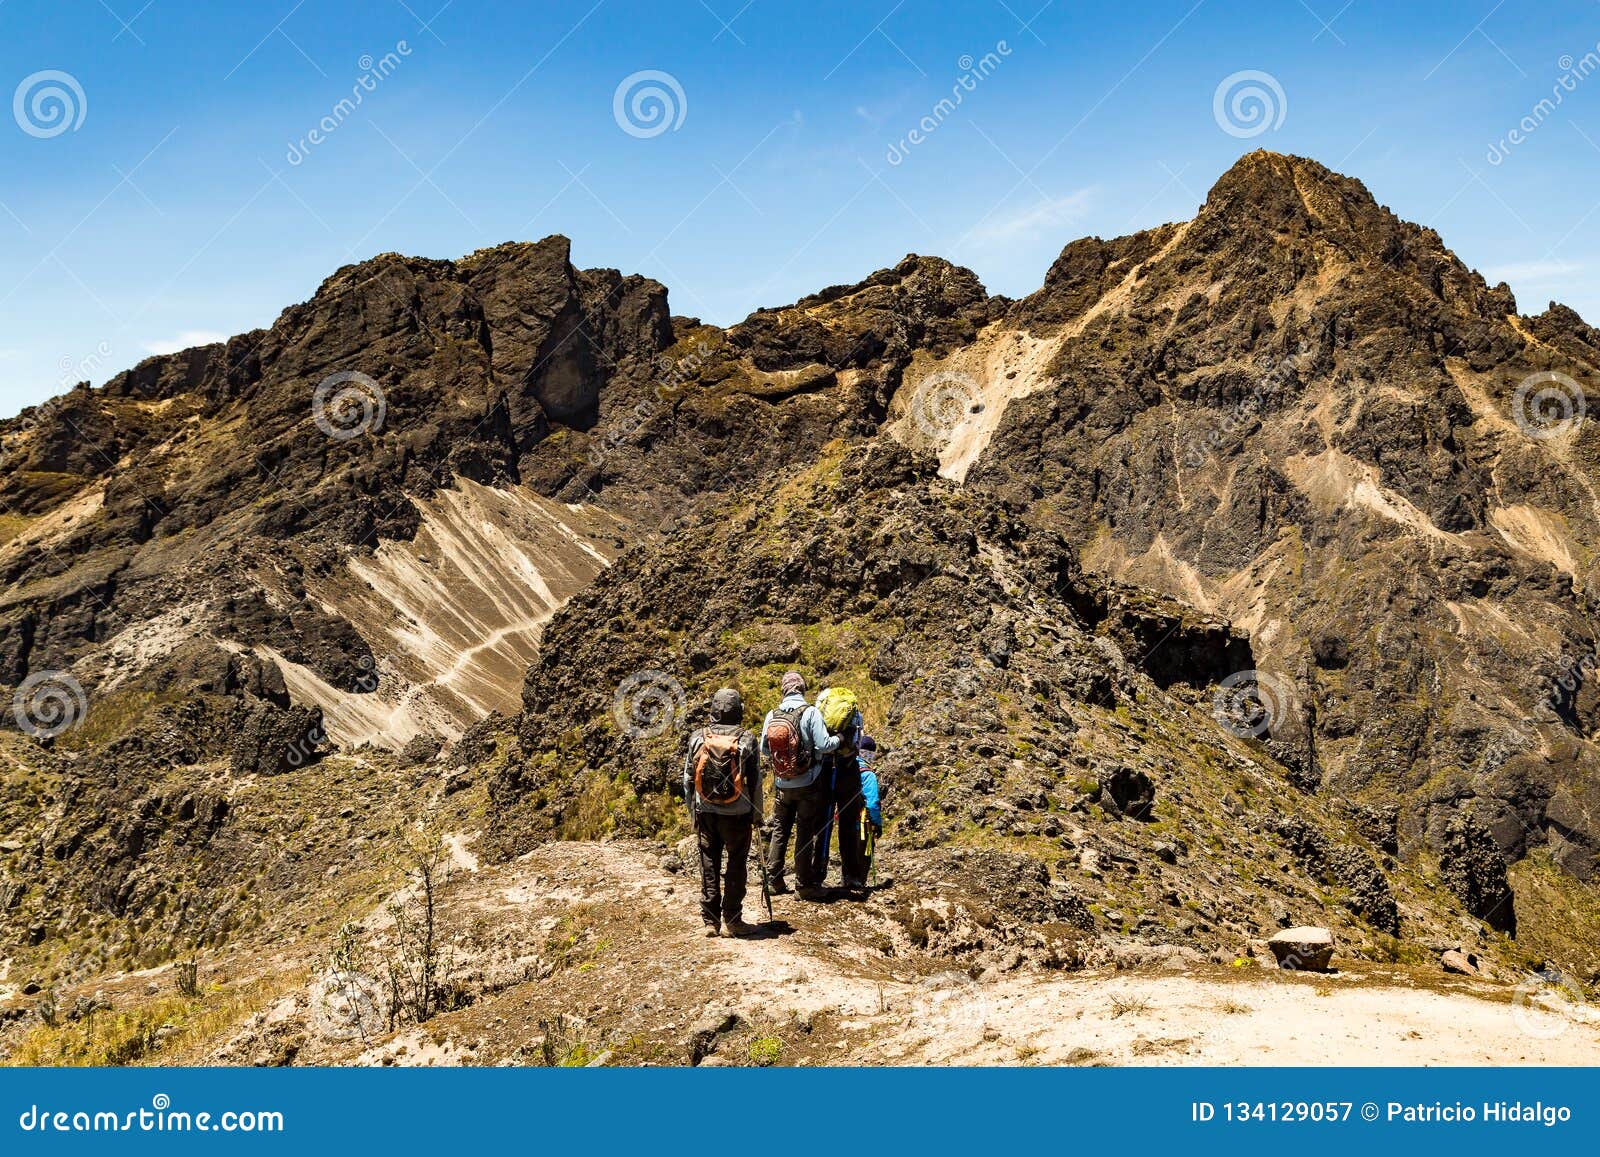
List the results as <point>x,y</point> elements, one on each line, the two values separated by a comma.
<point>634,977</point>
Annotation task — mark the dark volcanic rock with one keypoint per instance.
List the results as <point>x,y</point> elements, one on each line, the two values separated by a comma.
<point>1475,871</point>
<point>272,740</point>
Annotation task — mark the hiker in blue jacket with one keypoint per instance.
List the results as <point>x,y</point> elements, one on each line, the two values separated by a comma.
<point>859,812</point>
<point>796,740</point>
<point>866,760</point>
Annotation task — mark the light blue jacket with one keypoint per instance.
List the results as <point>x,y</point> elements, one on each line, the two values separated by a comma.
<point>815,729</point>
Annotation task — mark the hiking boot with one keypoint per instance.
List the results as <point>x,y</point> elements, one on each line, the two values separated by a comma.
<point>855,885</point>
<point>812,894</point>
<point>779,888</point>
<point>736,928</point>
<point>712,930</point>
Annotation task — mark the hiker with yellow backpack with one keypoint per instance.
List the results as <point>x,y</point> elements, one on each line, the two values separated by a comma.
<point>796,741</point>
<point>722,786</point>
<point>841,715</point>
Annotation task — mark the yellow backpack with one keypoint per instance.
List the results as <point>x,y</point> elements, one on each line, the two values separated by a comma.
<point>837,706</point>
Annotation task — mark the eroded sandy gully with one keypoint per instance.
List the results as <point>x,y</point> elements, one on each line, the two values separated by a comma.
<point>598,947</point>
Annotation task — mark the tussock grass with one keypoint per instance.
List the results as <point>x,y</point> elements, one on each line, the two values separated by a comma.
<point>156,1032</point>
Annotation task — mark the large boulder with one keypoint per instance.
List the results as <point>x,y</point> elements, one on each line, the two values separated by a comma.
<point>1304,949</point>
<point>273,740</point>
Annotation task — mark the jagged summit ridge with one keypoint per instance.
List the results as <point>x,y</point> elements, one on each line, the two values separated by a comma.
<point>1289,424</point>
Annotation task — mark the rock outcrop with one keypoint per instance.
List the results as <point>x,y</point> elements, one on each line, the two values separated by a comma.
<point>1244,568</point>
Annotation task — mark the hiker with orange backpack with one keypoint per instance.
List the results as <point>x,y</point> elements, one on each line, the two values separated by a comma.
<point>796,741</point>
<point>722,786</point>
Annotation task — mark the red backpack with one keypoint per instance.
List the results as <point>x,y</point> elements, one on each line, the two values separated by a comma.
<point>789,743</point>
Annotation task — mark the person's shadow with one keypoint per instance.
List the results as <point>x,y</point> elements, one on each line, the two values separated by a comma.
<point>771,930</point>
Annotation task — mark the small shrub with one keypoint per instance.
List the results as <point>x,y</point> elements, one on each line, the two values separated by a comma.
<point>560,1047</point>
<point>187,975</point>
<point>765,1050</point>
<point>1128,1005</point>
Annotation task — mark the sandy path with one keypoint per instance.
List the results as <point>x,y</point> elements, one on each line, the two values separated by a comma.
<point>898,1010</point>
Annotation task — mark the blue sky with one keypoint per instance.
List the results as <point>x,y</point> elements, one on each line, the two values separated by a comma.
<point>181,197</point>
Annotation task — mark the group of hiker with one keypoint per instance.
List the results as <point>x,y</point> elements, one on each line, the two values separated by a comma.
<point>823,781</point>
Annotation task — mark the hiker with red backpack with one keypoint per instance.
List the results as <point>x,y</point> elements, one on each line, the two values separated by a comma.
<point>722,786</point>
<point>796,741</point>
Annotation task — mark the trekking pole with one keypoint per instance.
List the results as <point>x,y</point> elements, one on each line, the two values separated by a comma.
<point>870,841</point>
<point>766,887</point>
<point>761,862</point>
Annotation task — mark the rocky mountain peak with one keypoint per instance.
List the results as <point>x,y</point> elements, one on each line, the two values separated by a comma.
<point>1279,440</point>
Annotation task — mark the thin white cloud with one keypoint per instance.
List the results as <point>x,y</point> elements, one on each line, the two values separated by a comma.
<point>1033,221</point>
<point>186,339</point>
<point>1532,272</point>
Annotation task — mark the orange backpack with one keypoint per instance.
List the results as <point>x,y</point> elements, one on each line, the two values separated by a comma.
<point>718,776</point>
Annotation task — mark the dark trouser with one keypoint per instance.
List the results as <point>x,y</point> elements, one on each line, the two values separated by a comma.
<point>716,834</point>
<point>825,836</point>
<point>852,854</point>
<point>801,811</point>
